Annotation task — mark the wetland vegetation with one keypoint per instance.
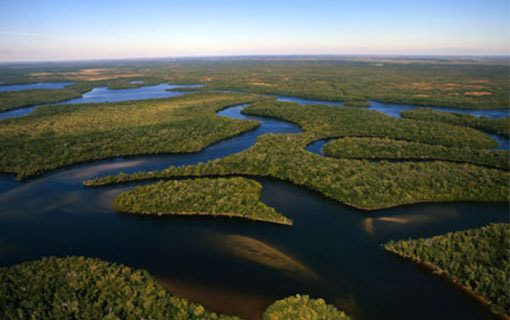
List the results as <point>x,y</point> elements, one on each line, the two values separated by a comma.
<point>499,126</point>
<point>373,161</point>
<point>384,148</point>
<point>475,259</point>
<point>87,288</point>
<point>359,183</point>
<point>221,197</point>
<point>57,136</point>
<point>465,85</point>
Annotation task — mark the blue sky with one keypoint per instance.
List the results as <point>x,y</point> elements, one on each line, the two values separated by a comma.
<point>58,29</point>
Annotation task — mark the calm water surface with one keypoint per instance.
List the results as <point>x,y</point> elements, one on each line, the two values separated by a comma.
<point>103,94</point>
<point>35,86</point>
<point>237,266</point>
<point>395,109</point>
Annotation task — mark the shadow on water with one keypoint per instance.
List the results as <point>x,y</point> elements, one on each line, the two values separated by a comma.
<point>235,266</point>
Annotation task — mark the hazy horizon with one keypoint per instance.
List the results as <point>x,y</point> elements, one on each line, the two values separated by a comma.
<point>93,30</point>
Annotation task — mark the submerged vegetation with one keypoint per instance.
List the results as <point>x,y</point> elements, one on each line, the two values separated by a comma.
<point>301,307</point>
<point>226,197</point>
<point>475,259</point>
<point>499,126</point>
<point>56,136</point>
<point>358,183</point>
<point>86,288</point>
<point>379,148</point>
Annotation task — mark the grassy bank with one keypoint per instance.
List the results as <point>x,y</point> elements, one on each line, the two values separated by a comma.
<point>379,148</point>
<point>231,197</point>
<point>57,136</point>
<point>475,259</point>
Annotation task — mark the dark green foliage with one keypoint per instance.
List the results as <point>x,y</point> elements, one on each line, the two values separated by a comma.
<point>85,288</point>
<point>302,307</point>
<point>229,197</point>
<point>476,259</point>
<point>361,184</point>
<point>499,126</point>
<point>337,122</point>
<point>61,135</point>
<point>358,183</point>
<point>378,148</point>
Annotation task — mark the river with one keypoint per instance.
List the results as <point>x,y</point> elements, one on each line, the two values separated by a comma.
<point>235,266</point>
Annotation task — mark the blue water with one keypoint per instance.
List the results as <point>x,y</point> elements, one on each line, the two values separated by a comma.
<point>395,109</point>
<point>309,101</point>
<point>54,214</point>
<point>35,86</point>
<point>103,94</point>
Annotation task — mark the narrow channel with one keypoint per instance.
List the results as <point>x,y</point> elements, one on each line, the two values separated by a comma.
<point>234,266</point>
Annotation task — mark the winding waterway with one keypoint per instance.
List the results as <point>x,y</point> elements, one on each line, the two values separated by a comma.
<point>237,266</point>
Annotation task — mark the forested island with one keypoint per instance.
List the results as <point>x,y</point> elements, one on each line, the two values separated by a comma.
<point>259,188</point>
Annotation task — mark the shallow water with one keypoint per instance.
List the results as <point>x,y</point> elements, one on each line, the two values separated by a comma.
<point>332,251</point>
<point>35,86</point>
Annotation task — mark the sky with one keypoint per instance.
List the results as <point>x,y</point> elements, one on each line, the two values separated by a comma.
<point>75,30</point>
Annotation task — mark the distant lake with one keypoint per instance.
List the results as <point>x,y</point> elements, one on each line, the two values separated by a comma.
<point>35,86</point>
<point>103,94</point>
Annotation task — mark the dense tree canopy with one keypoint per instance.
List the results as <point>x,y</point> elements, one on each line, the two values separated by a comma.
<point>476,259</point>
<point>227,197</point>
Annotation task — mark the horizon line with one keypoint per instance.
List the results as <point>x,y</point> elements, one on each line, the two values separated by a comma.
<point>289,55</point>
